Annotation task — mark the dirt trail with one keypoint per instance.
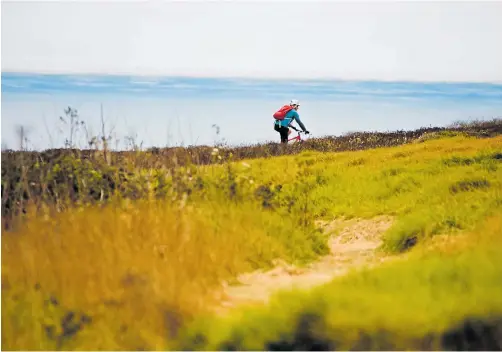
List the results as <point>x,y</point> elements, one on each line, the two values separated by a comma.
<point>352,248</point>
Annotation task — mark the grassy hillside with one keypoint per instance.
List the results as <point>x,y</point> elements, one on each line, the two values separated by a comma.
<point>120,256</point>
<point>62,177</point>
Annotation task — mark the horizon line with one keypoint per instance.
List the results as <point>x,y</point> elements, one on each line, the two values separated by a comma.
<point>244,77</point>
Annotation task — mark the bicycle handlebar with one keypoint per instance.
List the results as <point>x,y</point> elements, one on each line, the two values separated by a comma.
<point>296,129</point>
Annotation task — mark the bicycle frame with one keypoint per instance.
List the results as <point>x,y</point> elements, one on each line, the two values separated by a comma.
<point>297,138</point>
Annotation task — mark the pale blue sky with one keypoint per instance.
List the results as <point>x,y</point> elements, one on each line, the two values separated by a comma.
<point>398,40</point>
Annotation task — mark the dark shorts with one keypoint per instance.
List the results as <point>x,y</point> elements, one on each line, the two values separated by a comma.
<point>283,131</point>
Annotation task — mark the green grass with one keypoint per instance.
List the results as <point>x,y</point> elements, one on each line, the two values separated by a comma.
<point>440,186</point>
<point>445,298</point>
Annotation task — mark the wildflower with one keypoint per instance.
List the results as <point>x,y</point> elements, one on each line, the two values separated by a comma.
<point>245,164</point>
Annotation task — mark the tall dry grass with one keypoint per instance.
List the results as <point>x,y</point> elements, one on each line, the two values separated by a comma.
<point>137,269</point>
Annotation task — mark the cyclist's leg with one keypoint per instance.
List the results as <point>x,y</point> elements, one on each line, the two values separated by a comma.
<point>278,129</point>
<point>284,134</point>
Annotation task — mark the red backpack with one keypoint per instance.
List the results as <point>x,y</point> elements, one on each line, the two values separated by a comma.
<point>281,113</point>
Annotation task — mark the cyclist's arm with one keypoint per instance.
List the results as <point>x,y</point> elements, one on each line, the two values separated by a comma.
<point>296,117</point>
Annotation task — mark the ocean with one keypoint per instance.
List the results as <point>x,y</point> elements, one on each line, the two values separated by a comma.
<point>182,111</point>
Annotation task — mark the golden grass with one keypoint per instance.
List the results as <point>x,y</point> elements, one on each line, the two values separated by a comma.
<point>144,264</point>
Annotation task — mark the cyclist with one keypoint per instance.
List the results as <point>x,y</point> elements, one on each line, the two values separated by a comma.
<point>282,126</point>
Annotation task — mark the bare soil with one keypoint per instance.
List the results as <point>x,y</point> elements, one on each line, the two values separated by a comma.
<point>354,244</point>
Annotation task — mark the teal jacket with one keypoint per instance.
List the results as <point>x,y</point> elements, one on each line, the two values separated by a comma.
<point>290,116</point>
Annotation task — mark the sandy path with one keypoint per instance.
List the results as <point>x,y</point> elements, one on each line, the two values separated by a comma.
<point>355,246</point>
